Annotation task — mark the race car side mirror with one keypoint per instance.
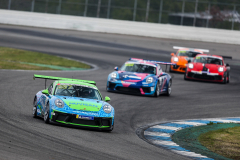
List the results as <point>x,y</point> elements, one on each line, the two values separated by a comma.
<point>116,68</point>
<point>172,54</point>
<point>45,92</point>
<point>189,61</point>
<point>227,65</point>
<point>107,99</point>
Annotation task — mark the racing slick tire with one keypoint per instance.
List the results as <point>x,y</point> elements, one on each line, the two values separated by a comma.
<point>107,89</point>
<point>185,77</point>
<point>35,107</point>
<point>157,91</point>
<point>169,89</point>
<point>228,80</point>
<point>46,114</point>
<point>225,79</point>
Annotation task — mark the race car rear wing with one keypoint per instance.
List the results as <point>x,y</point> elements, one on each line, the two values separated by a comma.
<point>203,50</point>
<point>227,57</point>
<point>60,78</point>
<point>152,61</point>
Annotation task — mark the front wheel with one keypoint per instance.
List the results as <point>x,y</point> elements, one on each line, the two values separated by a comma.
<point>228,81</point>
<point>157,90</point>
<point>46,114</point>
<point>225,79</point>
<point>169,89</point>
<point>35,107</point>
<point>185,76</point>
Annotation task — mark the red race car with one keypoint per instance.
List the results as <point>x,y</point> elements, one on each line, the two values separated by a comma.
<point>208,68</point>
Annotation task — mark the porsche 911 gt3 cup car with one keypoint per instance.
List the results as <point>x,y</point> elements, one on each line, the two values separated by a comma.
<point>138,76</point>
<point>183,56</point>
<point>73,102</point>
<point>208,68</point>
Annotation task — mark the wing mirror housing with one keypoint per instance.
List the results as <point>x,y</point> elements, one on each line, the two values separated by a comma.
<point>45,91</point>
<point>107,99</point>
<point>227,65</point>
<point>172,54</point>
<point>116,68</point>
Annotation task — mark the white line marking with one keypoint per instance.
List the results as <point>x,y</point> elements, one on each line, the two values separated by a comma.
<point>190,123</point>
<point>166,127</point>
<point>166,143</point>
<point>156,134</point>
<point>221,120</point>
<point>190,154</point>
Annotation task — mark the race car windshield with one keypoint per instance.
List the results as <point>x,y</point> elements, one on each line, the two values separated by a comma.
<point>208,60</point>
<point>140,68</point>
<point>188,53</point>
<point>77,91</point>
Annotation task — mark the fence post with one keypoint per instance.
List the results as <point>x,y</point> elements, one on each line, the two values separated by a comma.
<point>86,6</point>
<point>59,6</point>
<point>98,9</point>
<point>183,10</point>
<point>194,20</point>
<point>33,2</point>
<point>147,10</point>
<point>9,4</point>
<point>234,10</point>
<point>135,10</point>
<point>209,8</point>
<point>160,11</point>
<point>109,7</point>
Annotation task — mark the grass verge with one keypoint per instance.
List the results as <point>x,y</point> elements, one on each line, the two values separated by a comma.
<point>19,59</point>
<point>225,142</point>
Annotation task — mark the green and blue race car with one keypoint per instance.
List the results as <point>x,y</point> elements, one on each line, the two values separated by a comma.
<point>73,102</point>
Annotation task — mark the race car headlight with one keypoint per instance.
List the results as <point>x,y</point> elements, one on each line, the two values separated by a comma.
<point>220,69</point>
<point>107,109</point>
<point>149,80</point>
<point>190,65</point>
<point>59,103</point>
<point>114,75</point>
<point>175,59</point>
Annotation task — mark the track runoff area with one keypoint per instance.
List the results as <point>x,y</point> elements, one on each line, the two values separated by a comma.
<point>25,137</point>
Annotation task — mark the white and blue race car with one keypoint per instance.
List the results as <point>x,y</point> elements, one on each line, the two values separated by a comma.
<point>139,76</point>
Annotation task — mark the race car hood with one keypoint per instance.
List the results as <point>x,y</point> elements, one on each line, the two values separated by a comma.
<point>132,76</point>
<point>182,60</point>
<point>210,67</point>
<point>82,104</point>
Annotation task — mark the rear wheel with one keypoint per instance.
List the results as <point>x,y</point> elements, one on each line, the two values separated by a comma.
<point>46,114</point>
<point>157,90</point>
<point>169,89</point>
<point>35,107</point>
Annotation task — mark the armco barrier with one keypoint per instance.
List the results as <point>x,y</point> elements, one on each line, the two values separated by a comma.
<point>118,27</point>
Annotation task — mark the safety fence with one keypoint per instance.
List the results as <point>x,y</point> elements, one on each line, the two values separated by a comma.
<point>199,13</point>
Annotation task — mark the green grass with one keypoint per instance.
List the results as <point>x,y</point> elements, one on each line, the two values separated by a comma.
<point>11,59</point>
<point>225,142</point>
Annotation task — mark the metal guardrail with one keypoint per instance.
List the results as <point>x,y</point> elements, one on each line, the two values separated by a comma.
<point>200,13</point>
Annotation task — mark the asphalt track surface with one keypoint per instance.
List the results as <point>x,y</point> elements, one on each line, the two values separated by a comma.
<point>23,137</point>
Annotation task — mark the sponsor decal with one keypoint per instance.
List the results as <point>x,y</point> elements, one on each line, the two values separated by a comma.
<point>128,82</point>
<point>84,117</point>
<point>125,76</point>
<point>38,111</point>
<point>82,104</point>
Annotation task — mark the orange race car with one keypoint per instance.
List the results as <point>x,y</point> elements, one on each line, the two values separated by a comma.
<point>183,56</point>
